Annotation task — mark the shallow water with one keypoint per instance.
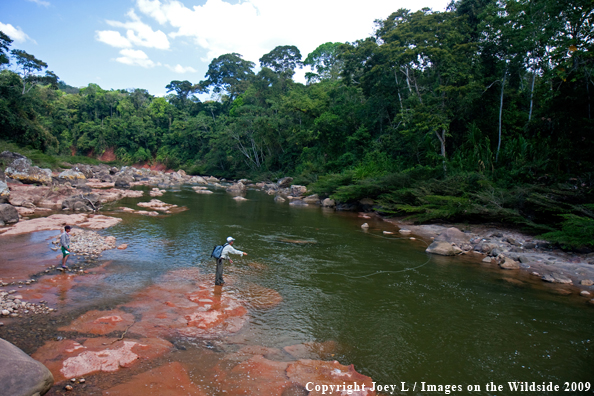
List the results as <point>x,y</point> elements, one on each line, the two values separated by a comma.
<point>393,311</point>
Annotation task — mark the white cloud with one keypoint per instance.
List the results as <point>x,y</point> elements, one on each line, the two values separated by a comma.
<point>181,69</point>
<point>113,38</point>
<point>41,2</point>
<point>136,58</point>
<point>141,34</point>
<point>152,8</point>
<point>254,27</point>
<point>16,34</point>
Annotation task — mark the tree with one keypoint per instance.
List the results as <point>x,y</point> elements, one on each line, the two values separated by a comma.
<point>30,66</point>
<point>229,73</point>
<point>5,42</point>
<point>283,60</point>
<point>183,89</point>
<point>325,61</point>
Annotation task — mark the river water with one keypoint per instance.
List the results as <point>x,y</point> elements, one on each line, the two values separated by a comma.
<point>396,313</point>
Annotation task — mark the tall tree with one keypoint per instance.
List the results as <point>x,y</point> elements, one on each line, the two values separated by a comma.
<point>228,73</point>
<point>29,66</point>
<point>5,42</point>
<point>283,60</point>
<point>183,89</point>
<point>325,61</point>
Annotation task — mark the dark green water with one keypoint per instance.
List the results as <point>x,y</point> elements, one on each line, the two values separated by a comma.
<point>446,322</point>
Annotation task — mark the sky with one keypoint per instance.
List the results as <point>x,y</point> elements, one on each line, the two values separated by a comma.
<point>121,44</point>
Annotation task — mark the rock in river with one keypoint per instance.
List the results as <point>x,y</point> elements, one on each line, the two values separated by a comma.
<point>20,374</point>
<point>443,249</point>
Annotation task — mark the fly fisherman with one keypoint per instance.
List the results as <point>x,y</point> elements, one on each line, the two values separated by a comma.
<point>228,249</point>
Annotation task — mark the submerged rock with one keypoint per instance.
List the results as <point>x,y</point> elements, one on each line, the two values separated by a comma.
<point>167,380</point>
<point>69,359</point>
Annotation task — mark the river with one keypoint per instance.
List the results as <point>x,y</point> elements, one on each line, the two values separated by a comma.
<point>379,301</point>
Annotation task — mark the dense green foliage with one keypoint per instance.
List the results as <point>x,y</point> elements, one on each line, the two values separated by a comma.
<point>482,112</point>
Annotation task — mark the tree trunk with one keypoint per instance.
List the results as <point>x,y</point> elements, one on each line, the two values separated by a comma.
<point>443,148</point>
<point>531,96</point>
<point>500,113</point>
<point>398,89</point>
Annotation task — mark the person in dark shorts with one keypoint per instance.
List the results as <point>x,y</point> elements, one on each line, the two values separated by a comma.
<point>65,245</point>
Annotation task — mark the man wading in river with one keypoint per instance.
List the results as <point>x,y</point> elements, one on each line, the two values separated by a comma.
<point>225,256</point>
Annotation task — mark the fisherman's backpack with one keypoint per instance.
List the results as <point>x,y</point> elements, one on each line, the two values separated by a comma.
<point>217,251</point>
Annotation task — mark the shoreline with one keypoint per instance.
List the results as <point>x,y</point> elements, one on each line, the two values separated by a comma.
<point>530,256</point>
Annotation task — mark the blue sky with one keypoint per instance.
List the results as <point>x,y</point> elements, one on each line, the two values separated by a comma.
<point>148,43</point>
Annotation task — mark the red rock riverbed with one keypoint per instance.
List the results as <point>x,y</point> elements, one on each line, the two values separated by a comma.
<point>169,338</point>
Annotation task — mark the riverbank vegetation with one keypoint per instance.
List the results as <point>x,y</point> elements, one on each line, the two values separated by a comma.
<point>479,113</point>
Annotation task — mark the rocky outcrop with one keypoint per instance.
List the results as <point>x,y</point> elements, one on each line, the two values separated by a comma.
<point>328,203</point>
<point>71,175</point>
<point>22,170</point>
<point>58,221</point>
<point>82,203</point>
<point>8,214</point>
<point>20,375</point>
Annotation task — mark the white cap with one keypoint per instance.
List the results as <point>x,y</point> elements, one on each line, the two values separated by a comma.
<point>230,239</point>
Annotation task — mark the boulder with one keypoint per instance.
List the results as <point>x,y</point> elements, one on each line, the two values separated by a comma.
<point>443,249</point>
<point>82,203</point>
<point>4,192</point>
<point>297,190</point>
<point>328,203</point>
<point>284,182</point>
<point>509,264</point>
<point>365,226</point>
<point>237,188</point>
<point>21,170</point>
<point>587,282</point>
<point>8,214</point>
<point>313,199</point>
<point>20,374</point>
<point>123,181</point>
<point>198,180</point>
<point>86,170</point>
<point>278,198</point>
<point>71,175</point>
<point>298,202</point>
<point>7,157</point>
<point>453,235</point>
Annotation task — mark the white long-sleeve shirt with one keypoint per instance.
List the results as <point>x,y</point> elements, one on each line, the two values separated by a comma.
<point>229,249</point>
